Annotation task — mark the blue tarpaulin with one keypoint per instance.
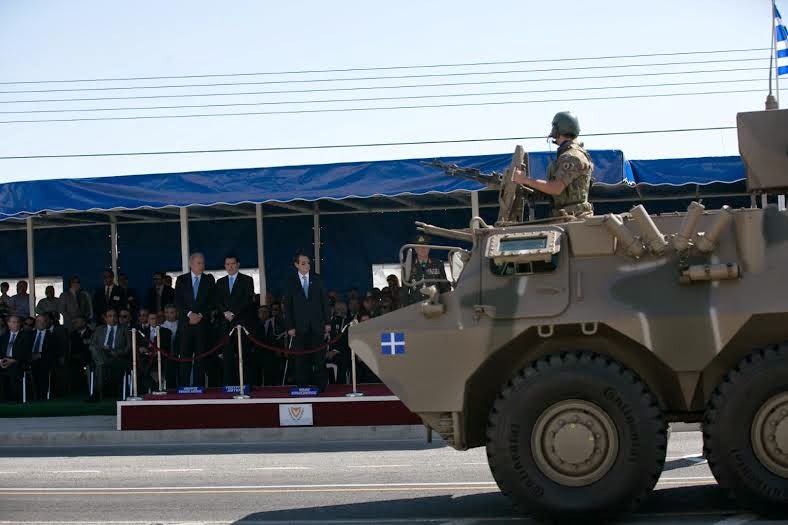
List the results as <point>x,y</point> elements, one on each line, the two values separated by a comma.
<point>330,181</point>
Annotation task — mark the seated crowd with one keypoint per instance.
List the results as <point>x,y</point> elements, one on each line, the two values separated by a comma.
<point>80,344</point>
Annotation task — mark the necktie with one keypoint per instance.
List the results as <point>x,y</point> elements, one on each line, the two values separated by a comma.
<point>195,286</point>
<point>111,337</point>
<point>37,345</point>
<point>232,283</point>
<point>10,351</point>
<point>107,294</point>
<point>304,286</point>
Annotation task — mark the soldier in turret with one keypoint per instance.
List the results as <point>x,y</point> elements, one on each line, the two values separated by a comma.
<point>569,175</point>
<point>425,268</point>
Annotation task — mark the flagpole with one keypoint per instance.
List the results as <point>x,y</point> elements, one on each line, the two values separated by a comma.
<point>774,48</point>
<point>771,101</point>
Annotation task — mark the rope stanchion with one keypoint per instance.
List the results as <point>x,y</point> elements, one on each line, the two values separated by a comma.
<point>354,393</point>
<point>241,394</point>
<point>160,391</point>
<point>134,396</point>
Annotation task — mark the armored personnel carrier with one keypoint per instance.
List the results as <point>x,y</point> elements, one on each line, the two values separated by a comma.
<point>568,345</point>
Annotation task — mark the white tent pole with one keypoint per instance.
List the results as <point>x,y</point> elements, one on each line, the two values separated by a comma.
<point>184,239</point>
<point>258,212</point>
<point>316,228</point>
<point>31,269</point>
<point>113,240</point>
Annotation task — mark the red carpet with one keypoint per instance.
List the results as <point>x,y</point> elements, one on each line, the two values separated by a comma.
<point>216,409</point>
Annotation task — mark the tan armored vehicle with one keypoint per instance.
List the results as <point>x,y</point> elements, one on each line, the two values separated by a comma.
<point>567,346</point>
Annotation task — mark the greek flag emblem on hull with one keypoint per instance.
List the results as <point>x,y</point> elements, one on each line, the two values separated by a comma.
<point>392,343</point>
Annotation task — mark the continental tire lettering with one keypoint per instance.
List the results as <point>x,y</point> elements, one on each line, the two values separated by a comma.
<point>514,451</point>
<point>753,479</point>
<point>612,395</point>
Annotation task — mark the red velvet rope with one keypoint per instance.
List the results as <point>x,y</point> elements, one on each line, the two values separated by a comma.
<point>305,351</point>
<point>153,349</point>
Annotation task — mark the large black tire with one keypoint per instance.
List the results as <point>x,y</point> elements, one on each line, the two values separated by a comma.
<point>729,440</point>
<point>638,425</point>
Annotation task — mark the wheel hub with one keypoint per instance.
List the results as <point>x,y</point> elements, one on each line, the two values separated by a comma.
<point>770,435</point>
<point>574,442</point>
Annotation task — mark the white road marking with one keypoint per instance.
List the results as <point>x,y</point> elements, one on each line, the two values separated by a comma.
<point>738,519</point>
<point>255,487</point>
<point>690,478</point>
<point>693,458</point>
<point>378,466</point>
<point>321,521</point>
<point>74,471</point>
<point>8,472</point>
<point>279,468</point>
<point>175,470</point>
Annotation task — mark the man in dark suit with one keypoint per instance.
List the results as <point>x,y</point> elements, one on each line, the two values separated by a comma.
<point>80,350</point>
<point>159,295</point>
<point>171,324</point>
<point>235,298</point>
<point>308,319</point>
<point>152,334</point>
<point>109,349</point>
<point>109,296</point>
<point>15,348</point>
<point>195,299</point>
<point>45,352</point>
<point>129,294</point>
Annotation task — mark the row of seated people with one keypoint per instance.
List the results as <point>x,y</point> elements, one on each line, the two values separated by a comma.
<point>97,361</point>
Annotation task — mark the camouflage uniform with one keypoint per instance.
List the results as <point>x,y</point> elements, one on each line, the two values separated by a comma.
<point>574,168</point>
<point>431,269</point>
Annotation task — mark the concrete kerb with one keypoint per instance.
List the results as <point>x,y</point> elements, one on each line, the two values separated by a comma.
<point>99,431</point>
<point>224,436</point>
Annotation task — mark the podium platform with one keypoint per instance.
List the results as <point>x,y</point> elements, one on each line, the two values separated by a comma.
<point>267,407</point>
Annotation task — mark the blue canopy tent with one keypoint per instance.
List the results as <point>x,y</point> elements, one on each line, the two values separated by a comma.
<point>302,205</point>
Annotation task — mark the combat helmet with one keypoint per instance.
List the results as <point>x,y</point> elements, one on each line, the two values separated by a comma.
<point>565,123</point>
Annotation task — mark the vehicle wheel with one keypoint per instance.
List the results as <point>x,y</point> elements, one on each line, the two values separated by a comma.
<point>576,438</point>
<point>745,431</point>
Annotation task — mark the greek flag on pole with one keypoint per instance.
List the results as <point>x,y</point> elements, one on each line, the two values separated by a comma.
<point>392,343</point>
<point>781,38</point>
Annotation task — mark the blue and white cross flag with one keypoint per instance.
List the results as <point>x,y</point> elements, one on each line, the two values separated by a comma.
<point>781,43</point>
<point>392,343</point>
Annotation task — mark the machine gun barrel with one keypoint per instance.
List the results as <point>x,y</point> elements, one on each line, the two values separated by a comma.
<point>492,180</point>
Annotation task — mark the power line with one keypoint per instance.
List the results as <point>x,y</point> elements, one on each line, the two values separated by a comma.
<point>345,110</point>
<point>367,145</point>
<point>397,77</point>
<point>375,99</point>
<point>388,68</point>
<point>401,86</point>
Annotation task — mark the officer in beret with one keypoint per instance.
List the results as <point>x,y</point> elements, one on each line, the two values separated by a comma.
<point>569,175</point>
<point>425,268</point>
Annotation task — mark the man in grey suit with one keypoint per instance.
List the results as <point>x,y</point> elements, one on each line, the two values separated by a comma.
<point>109,348</point>
<point>75,302</point>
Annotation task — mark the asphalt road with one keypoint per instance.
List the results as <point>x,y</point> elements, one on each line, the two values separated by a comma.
<point>397,482</point>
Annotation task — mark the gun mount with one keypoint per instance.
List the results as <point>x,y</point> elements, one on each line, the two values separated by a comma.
<point>512,197</point>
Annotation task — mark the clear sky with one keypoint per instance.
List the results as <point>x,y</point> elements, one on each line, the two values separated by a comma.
<point>52,40</point>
